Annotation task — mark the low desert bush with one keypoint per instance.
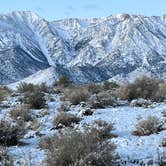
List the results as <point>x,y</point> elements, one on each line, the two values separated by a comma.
<point>24,87</point>
<point>164,113</point>
<point>149,126</point>
<point>10,133</point>
<point>94,88</point>
<point>76,148</point>
<point>76,94</point>
<point>102,100</point>
<point>146,88</point>
<point>65,119</point>
<point>161,93</point>
<point>21,112</point>
<point>35,99</point>
<point>110,85</point>
<point>161,159</point>
<point>65,107</point>
<point>101,130</point>
<point>4,91</point>
<point>163,143</point>
<point>5,159</point>
<point>63,82</point>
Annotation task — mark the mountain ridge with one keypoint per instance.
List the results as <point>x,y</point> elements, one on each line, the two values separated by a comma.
<point>86,50</point>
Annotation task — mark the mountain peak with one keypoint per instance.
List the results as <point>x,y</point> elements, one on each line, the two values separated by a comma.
<point>86,50</point>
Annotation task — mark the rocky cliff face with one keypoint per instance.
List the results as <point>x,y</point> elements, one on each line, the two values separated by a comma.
<point>84,49</point>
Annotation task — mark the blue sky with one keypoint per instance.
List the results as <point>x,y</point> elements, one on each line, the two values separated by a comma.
<point>57,9</point>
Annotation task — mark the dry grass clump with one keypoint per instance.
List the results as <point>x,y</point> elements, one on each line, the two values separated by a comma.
<point>77,94</point>
<point>76,148</point>
<point>149,126</point>
<point>146,88</point>
<point>10,133</point>
<point>21,112</point>
<point>66,119</point>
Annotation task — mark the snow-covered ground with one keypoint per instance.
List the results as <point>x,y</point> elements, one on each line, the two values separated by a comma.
<point>129,147</point>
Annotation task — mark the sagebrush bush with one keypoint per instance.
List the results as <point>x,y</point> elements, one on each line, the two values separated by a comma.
<point>21,112</point>
<point>10,133</point>
<point>110,85</point>
<point>149,126</point>
<point>163,143</point>
<point>144,87</point>
<point>102,100</point>
<point>161,93</point>
<point>101,130</point>
<point>164,113</point>
<point>5,159</point>
<point>4,91</point>
<point>64,107</point>
<point>66,119</point>
<point>76,148</point>
<point>93,88</point>
<point>63,81</point>
<point>35,99</point>
<point>76,94</point>
<point>24,87</point>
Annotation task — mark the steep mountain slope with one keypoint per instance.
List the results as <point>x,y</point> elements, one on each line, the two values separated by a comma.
<point>84,49</point>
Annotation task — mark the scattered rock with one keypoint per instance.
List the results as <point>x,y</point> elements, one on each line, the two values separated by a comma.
<point>85,112</point>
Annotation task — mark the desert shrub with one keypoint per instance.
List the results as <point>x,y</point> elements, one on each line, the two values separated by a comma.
<point>142,88</point>
<point>149,126</point>
<point>94,88</point>
<point>4,91</point>
<point>21,112</point>
<point>63,81</point>
<point>110,85</point>
<point>101,130</point>
<point>65,119</point>
<point>102,100</point>
<point>163,143</point>
<point>164,113</point>
<point>24,87</point>
<point>64,107</point>
<point>161,93</point>
<point>10,133</point>
<point>161,159</point>
<point>76,148</point>
<point>76,94</point>
<point>5,159</point>
<point>35,99</point>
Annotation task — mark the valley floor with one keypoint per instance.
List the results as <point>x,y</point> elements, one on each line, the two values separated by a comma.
<point>129,147</point>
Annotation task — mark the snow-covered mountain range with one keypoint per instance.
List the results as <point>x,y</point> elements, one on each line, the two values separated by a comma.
<point>114,47</point>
